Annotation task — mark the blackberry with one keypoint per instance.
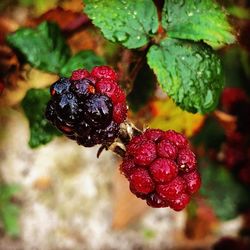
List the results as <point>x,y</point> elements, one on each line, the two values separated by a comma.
<point>60,86</point>
<point>85,109</point>
<point>161,168</point>
<point>98,110</point>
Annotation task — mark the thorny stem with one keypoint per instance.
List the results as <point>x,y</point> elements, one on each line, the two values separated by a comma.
<point>137,68</point>
<point>127,76</point>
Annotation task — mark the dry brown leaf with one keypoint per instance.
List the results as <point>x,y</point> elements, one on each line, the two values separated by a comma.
<point>127,207</point>
<point>83,40</point>
<point>73,5</point>
<point>202,225</point>
<point>9,66</point>
<point>42,183</point>
<point>31,78</point>
<point>7,25</point>
<point>66,19</point>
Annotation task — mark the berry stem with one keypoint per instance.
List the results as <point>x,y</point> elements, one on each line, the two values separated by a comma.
<point>127,131</point>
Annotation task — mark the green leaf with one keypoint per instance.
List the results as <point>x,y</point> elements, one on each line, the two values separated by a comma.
<point>10,215</point>
<point>197,20</point>
<point>222,192</point>
<point>189,72</point>
<point>34,105</point>
<point>9,212</point>
<point>7,191</point>
<point>128,22</point>
<point>84,59</point>
<point>211,136</point>
<point>43,47</point>
<point>234,59</point>
<point>239,12</point>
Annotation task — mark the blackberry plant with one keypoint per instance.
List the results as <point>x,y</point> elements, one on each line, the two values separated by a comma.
<point>89,106</point>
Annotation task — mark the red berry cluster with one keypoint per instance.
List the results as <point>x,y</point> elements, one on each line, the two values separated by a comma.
<point>89,106</point>
<point>236,148</point>
<point>236,151</point>
<point>161,168</point>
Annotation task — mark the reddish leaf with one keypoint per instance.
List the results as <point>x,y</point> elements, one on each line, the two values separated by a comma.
<point>66,19</point>
<point>84,40</point>
<point>7,25</point>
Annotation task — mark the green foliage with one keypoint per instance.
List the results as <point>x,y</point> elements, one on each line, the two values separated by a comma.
<point>197,20</point>
<point>34,104</point>
<point>212,135</point>
<point>236,65</point>
<point>189,72</point>
<point>222,192</point>
<point>128,22</point>
<point>9,212</point>
<point>239,12</point>
<point>84,59</point>
<point>44,47</point>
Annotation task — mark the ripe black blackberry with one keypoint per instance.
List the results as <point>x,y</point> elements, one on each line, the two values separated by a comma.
<point>88,107</point>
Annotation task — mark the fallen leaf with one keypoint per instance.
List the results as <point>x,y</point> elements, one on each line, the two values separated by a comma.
<point>7,25</point>
<point>127,207</point>
<point>29,78</point>
<point>83,40</point>
<point>42,183</point>
<point>166,115</point>
<point>9,66</point>
<point>73,5</point>
<point>67,20</point>
<point>202,224</point>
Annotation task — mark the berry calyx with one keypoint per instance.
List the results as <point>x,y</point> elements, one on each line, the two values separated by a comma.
<point>161,168</point>
<point>88,107</point>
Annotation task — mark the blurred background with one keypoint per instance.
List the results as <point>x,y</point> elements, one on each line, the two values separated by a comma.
<point>55,194</point>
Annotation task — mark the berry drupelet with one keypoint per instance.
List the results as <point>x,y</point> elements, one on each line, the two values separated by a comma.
<point>161,168</point>
<point>88,107</point>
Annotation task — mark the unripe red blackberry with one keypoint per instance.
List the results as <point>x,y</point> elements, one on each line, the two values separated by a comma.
<point>161,168</point>
<point>141,182</point>
<point>231,96</point>
<point>172,190</point>
<point>88,107</point>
